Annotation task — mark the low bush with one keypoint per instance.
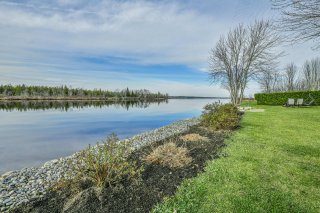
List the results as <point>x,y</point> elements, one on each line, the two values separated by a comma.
<point>169,155</point>
<point>280,98</point>
<point>220,117</point>
<point>106,163</point>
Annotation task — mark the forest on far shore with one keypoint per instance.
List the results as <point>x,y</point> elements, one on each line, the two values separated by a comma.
<point>23,91</point>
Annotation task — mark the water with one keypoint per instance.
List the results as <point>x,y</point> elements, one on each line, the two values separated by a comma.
<point>32,133</point>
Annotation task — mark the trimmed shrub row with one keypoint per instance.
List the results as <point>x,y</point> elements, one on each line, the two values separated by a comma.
<point>280,98</point>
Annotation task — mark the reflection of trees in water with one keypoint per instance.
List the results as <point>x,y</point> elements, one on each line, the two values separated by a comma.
<point>66,105</point>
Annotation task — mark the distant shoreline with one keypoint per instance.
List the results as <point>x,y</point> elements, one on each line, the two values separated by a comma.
<point>195,97</point>
<point>21,98</point>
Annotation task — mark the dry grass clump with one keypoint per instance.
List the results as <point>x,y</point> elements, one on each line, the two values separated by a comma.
<point>193,137</point>
<point>169,155</point>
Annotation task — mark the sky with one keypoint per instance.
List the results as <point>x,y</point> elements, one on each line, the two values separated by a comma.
<point>160,45</point>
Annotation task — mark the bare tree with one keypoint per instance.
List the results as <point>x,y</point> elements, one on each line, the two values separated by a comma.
<point>307,78</point>
<point>276,78</point>
<point>265,81</point>
<point>280,84</point>
<point>242,55</point>
<point>290,76</point>
<point>300,18</point>
<point>300,84</point>
<point>315,68</point>
<point>268,80</point>
<point>311,71</point>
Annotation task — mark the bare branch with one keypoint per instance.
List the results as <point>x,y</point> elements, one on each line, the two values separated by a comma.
<point>300,19</point>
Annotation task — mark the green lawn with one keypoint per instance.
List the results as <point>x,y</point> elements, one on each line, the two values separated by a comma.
<point>272,164</point>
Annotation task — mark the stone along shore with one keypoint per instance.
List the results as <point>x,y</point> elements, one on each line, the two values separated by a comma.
<point>29,184</point>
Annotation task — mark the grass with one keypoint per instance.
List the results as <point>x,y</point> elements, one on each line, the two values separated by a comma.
<point>249,103</point>
<point>272,164</point>
<point>193,138</point>
<point>169,155</point>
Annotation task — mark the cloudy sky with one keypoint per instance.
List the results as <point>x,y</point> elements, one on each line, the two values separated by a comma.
<point>111,44</point>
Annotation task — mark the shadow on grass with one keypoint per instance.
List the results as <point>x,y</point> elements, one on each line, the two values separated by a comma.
<point>301,150</point>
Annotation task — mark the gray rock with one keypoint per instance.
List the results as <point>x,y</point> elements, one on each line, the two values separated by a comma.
<point>7,174</point>
<point>7,200</point>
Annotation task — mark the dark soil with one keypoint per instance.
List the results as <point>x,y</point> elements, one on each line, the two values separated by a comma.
<point>156,182</point>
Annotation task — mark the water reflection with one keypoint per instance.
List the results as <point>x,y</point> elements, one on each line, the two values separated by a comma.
<point>67,105</point>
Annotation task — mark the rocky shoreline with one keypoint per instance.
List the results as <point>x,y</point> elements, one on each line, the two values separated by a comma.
<point>29,184</point>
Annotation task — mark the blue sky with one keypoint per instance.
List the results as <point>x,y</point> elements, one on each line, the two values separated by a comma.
<point>157,45</point>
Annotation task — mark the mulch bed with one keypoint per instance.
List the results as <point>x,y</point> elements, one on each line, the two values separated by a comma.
<point>156,181</point>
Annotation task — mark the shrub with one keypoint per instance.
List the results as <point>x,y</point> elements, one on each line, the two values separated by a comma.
<point>220,117</point>
<point>193,137</point>
<point>106,163</point>
<point>169,155</point>
<point>280,98</point>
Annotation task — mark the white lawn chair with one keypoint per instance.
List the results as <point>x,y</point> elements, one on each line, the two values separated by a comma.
<point>299,102</point>
<point>290,102</point>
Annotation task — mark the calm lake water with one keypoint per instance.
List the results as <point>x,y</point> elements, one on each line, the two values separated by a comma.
<point>32,133</point>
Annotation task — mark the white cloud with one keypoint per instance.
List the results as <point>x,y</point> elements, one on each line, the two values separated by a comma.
<point>150,32</point>
<point>69,2</point>
<point>156,32</point>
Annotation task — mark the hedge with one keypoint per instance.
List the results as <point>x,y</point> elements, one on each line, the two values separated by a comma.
<point>280,98</point>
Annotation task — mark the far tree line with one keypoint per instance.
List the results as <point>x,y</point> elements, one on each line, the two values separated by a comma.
<point>65,91</point>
